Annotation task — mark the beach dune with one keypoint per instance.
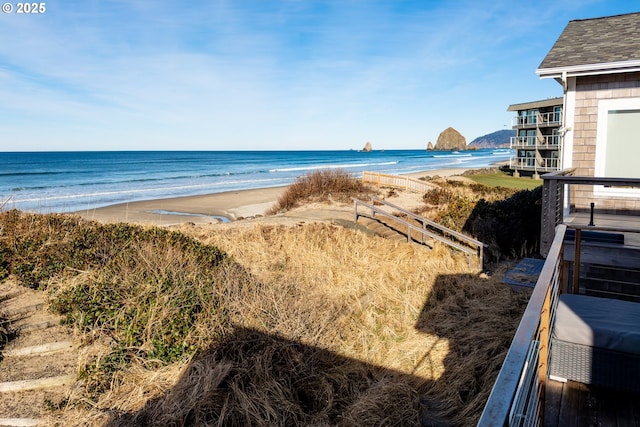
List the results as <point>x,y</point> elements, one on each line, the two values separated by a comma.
<point>209,208</point>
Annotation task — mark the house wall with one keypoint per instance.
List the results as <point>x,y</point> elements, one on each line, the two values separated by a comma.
<point>588,92</point>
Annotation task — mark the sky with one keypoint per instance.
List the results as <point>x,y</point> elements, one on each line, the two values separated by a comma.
<point>272,75</point>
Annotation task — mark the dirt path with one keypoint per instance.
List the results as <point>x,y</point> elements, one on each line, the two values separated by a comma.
<point>39,361</point>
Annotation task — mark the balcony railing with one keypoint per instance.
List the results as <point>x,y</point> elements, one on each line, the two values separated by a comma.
<point>517,397</point>
<point>543,164</point>
<point>554,188</point>
<point>540,119</point>
<point>540,142</point>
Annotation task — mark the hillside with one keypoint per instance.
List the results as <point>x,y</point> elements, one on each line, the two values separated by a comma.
<point>497,139</point>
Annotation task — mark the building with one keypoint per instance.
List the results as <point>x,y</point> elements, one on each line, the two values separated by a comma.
<point>591,274</point>
<point>597,62</point>
<point>537,144</point>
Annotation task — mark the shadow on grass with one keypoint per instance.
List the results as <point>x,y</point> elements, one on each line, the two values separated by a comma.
<point>511,227</point>
<point>254,378</point>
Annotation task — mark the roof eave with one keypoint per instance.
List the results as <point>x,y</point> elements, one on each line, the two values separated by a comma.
<point>589,69</point>
<point>550,102</point>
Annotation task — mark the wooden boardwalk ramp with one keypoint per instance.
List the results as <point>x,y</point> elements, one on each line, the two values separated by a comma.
<point>38,364</point>
<point>391,221</point>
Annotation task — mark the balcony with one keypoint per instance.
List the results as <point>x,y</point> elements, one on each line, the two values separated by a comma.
<point>538,120</point>
<point>536,164</point>
<point>542,142</point>
<point>527,391</point>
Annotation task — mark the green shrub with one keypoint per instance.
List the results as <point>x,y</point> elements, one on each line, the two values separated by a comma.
<point>505,219</point>
<point>144,287</point>
<point>37,247</point>
<point>455,200</point>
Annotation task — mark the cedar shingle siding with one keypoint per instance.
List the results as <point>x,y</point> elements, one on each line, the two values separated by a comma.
<point>601,58</point>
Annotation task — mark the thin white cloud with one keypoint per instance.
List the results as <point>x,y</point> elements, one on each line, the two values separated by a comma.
<point>255,74</point>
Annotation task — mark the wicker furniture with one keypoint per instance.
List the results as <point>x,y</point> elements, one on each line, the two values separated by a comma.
<point>597,341</point>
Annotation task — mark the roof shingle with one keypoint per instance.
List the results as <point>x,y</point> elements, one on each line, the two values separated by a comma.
<point>596,41</point>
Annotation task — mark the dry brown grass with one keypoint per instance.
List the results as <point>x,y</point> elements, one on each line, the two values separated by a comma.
<point>320,185</point>
<point>312,324</point>
<point>335,327</point>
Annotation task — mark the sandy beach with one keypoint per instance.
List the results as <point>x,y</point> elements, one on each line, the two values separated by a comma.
<point>218,207</point>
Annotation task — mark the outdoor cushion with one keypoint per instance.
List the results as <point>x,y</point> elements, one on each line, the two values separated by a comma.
<point>598,322</point>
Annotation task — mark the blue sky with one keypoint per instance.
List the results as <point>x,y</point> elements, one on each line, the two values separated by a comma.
<point>263,75</point>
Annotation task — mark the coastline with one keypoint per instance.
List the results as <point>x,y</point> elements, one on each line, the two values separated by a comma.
<point>209,208</point>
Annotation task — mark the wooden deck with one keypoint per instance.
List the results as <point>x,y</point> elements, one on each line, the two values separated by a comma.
<point>609,220</point>
<point>573,404</point>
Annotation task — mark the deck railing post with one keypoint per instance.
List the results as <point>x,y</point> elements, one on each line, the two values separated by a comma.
<point>545,326</point>
<point>576,261</point>
<point>547,227</point>
<point>355,210</point>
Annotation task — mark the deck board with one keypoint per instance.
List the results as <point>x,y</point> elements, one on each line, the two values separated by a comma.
<point>573,404</point>
<point>553,399</point>
<point>610,220</point>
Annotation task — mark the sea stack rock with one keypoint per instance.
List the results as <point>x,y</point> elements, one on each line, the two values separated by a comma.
<point>451,140</point>
<point>430,146</point>
<point>367,147</point>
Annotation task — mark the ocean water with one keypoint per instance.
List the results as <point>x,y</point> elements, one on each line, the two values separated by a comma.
<point>71,181</point>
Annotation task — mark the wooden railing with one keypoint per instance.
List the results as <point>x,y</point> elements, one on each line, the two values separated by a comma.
<point>517,397</point>
<point>397,181</point>
<point>428,229</point>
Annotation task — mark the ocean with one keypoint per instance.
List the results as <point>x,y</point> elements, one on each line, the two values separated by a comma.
<point>70,181</point>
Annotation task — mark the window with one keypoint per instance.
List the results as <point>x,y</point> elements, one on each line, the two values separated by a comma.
<point>522,119</point>
<point>618,143</point>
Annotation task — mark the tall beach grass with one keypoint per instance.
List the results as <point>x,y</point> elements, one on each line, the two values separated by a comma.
<point>312,324</point>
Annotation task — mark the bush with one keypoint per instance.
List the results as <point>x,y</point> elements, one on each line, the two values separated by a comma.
<point>144,287</point>
<point>454,201</point>
<point>37,247</point>
<point>511,227</point>
<point>507,220</point>
<point>319,186</point>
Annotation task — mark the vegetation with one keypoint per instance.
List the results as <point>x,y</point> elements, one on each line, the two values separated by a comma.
<point>506,219</point>
<point>503,179</point>
<point>318,186</point>
<point>120,280</point>
<point>5,333</point>
<point>315,324</point>
<point>511,227</point>
<point>307,325</point>
<point>452,203</point>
